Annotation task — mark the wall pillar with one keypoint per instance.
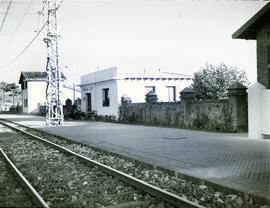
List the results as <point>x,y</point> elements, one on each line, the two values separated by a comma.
<point>151,97</point>
<point>238,99</point>
<point>187,96</point>
<point>68,105</point>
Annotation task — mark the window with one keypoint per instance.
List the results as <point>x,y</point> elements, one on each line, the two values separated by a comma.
<point>268,77</point>
<point>171,94</point>
<point>150,88</point>
<point>25,103</point>
<point>268,65</point>
<point>105,97</point>
<point>89,102</point>
<point>268,56</point>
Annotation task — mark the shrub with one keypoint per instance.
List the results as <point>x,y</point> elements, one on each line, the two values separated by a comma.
<point>125,100</point>
<point>201,121</point>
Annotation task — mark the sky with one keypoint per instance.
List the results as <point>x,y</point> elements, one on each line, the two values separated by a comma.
<point>134,35</point>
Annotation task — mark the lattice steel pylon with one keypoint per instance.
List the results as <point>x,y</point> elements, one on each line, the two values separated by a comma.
<point>54,107</point>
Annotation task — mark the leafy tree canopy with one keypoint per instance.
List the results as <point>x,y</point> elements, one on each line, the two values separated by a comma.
<point>3,86</point>
<point>12,87</point>
<point>211,82</point>
<point>125,99</point>
<point>9,87</point>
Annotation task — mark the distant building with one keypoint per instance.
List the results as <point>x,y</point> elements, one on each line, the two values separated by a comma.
<point>102,90</point>
<point>33,85</point>
<point>258,28</point>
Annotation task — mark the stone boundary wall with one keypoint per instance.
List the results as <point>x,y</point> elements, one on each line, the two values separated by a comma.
<point>229,115</point>
<point>207,115</point>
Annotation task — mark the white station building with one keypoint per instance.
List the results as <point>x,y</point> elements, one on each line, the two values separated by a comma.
<point>102,90</point>
<point>33,85</point>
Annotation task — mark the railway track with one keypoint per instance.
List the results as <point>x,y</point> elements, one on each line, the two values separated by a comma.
<point>67,179</point>
<point>12,192</point>
<point>16,191</point>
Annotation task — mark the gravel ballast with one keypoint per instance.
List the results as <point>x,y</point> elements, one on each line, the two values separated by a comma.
<point>64,181</point>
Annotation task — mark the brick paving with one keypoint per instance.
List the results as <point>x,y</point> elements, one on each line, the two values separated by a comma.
<point>232,160</point>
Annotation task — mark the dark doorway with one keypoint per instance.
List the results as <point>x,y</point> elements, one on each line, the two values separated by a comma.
<point>89,102</point>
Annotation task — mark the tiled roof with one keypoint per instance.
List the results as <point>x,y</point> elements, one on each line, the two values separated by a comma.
<point>35,76</point>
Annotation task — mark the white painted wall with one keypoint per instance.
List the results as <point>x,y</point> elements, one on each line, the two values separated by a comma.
<point>266,112</point>
<point>35,93</point>
<point>96,93</point>
<point>136,90</point>
<point>258,111</point>
<point>99,76</point>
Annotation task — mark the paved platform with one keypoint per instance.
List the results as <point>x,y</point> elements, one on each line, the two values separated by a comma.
<point>232,160</point>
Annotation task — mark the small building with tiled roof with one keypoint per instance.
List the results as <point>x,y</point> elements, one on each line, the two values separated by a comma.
<point>33,85</point>
<point>258,28</point>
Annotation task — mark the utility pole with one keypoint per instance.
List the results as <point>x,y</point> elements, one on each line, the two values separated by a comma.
<point>54,107</point>
<point>73,93</point>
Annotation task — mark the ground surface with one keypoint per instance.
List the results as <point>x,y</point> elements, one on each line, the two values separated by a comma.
<point>227,159</point>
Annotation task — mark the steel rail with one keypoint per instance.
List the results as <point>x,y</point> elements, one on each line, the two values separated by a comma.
<point>146,187</point>
<point>38,200</point>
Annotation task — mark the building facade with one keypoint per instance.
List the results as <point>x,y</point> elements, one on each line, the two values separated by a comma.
<point>33,85</point>
<point>258,28</point>
<point>102,90</point>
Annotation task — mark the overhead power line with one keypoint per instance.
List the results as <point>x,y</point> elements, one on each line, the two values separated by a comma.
<point>22,52</point>
<point>44,4</point>
<point>4,19</point>
<point>18,26</point>
<point>59,5</point>
<point>41,13</point>
<point>19,13</point>
<point>17,2</point>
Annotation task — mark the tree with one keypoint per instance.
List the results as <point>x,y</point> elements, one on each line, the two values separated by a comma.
<point>14,89</point>
<point>3,88</point>
<point>211,82</point>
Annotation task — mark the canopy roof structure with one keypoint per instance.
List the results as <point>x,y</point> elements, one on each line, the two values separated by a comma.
<point>250,29</point>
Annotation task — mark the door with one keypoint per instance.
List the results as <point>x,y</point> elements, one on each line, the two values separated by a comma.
<point>89,102</point>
